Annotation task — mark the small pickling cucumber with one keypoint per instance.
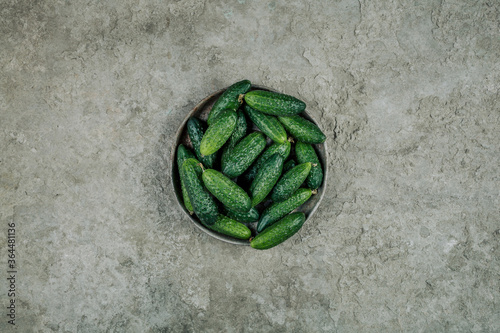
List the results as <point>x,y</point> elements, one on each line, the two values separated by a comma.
<point>251,216</point>
<point>279,209</point>
<point>279,232</point>
<point>239,133</point>
<point>183,154</point>
<point>226,191</point>
<point>290,182</point>
<point>230,99</point>
<point>243,154</point>
<point>229,227</point>
<point>218,132</point>
<point>269,125</point>
<point>302,129</point>
<point>266,178</point>
<point>204,205</point>
<point>196,129</point>
<point>281,148</point>
<point>306,153</point>
<point>273,103</point>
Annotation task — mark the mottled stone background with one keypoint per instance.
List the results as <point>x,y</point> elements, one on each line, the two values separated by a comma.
<point>406,239</point>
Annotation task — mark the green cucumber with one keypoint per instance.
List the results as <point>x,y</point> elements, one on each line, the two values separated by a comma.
<point>274,103</point>
<point>306,153</point>
<point>266,178</point>
<point>279,209</point>
<point>227,226</point>
<point>251,216</point>
<point>229,99</point>
<point>185,199</point>
<point>196,130</point>
<point>279,232</point>
<point>204,205</point>
<point>183,154</point>
<point>239,133</point>
<point>281,148</point>
<point>269,125</point>
<point>290,182</point>
<point>218,132</point>
<point>226,191</point>
<point>302,129</point>
<point>289,166</point>
<point>243,154</point>
<point>240,130</point>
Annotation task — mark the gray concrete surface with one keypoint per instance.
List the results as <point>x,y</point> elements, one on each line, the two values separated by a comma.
<point>406,240</point>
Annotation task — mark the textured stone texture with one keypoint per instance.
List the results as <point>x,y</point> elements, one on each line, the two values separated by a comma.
<point>406,239</point>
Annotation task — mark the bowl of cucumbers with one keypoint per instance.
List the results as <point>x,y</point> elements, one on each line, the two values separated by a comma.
<point>249,165</point>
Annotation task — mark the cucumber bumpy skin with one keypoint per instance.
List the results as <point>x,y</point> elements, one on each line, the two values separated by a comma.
<point>279,232</point>
<point>273,103</point>
<point>229,99</point>
<point>251,216</point>
<point>239,133</point>
<point>218,132</point>
<point>306,153</point>
<point>281,148</point>
<point>243,154</point>
<point>279,209</point>
<point>269,125</point>
<point>183,154</point>
<point>196,129</point>
<point>204,205</point>
<point>290,182</point>
<point>266,178</point>
<point>302,129</point>
<point>226,191</point>
<point>229,227</point>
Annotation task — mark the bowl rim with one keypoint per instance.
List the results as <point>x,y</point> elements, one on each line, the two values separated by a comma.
<point>174,171</point>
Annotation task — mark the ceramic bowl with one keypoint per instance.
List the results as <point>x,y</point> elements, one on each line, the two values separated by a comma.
<point>201,111</point>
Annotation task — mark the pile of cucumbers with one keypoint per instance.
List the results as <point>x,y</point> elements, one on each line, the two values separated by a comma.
<point>235,175</point>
